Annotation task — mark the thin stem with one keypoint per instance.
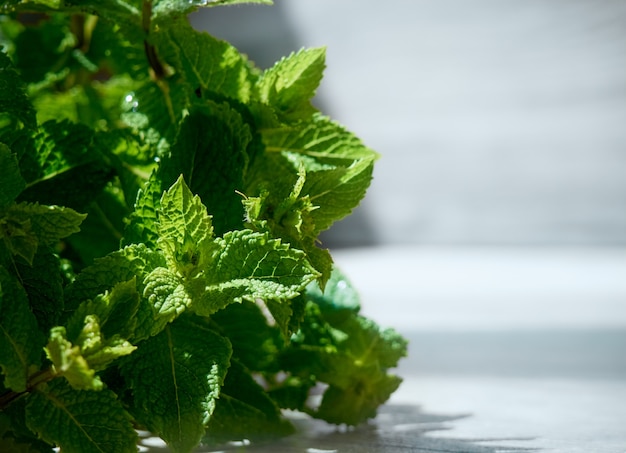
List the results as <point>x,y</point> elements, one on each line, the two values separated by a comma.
<point>34,380</point>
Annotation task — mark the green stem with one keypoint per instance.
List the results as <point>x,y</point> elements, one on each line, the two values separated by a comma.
<point>34,380</point>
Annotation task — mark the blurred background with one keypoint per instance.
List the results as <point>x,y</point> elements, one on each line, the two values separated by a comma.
<point>498,121</point>
<point>494,232</point>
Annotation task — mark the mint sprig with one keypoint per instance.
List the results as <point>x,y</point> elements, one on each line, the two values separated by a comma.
<point>161,200</point>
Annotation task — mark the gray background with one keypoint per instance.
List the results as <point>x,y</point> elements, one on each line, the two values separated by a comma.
<point>498,121</point>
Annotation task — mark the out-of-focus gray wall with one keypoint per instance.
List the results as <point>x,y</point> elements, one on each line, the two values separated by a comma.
<point>498,121</point>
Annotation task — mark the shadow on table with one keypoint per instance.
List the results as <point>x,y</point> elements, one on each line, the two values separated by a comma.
<point>397,428</point>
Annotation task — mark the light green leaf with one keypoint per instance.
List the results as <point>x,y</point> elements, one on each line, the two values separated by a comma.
<point>205,62</point>
<point>96,335</point>
<point>97,350</point>
<point>20,338</point>
<point>15,108</point>
<point>12,181</point>
<point>68,361</point>
<point>337,164</point>
<point>167,299</point>
<point>184,228</point>
<point>249,266</point>
<point>291,83</point>
<point>175,378</point>
<point>133,261</point>
<point>80,421</point>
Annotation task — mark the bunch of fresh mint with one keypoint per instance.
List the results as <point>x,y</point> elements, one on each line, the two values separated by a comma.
<point>160,203</point>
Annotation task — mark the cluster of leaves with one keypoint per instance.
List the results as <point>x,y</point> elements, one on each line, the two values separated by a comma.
<point>160,203</point>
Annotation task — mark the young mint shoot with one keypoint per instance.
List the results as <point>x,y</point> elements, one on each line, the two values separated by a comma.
<point>161,200</point>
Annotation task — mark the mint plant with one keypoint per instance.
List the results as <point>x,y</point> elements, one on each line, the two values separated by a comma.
<point>160,203</point>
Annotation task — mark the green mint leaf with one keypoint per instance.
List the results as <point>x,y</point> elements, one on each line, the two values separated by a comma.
<point>167,297</point>
<point>115,309</point>
<point>338,166</point>
<point>249,266</point>
<point>175,379</point>
<point>80,421</point>
<point>133,158</point>
<point>19,238</point>
<point>39,48</point>
<point>154,109</point>
<point>206,63</point>
<point>245,411</point>
<point>44,285</point>
<point>48,223</point>
<point>20,338</point>
<point>62,162</point>
<point>338,299</point>
<point>283,212</point>
<point>358,401</point>
<point>352,355</point>
<point>133,261</point>
<point>255,342</point>
<point>210,153</point>
<point>15,437</point>
<point>95,336</point>
<point>12,181</point>
<point>184,228</point>
<point>26,226</point>
<point>291,83</point>
<point>15,108</point>
<point>100,233</point>
<point>141,225</point>
<point>69,362</point>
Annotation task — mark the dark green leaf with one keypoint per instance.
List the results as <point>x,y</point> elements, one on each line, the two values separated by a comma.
<point>12,181</point>
<point>62,163</point>
<point>255,342</point>
<point>80,421</point>
<point>116,311</point>
<point>20,339</point>
<point>245,411</point>
<point>15,437</point>
<point>44,285</point>
<point>175,379</point>
<point>15,108</point>
<point>210,153</point>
